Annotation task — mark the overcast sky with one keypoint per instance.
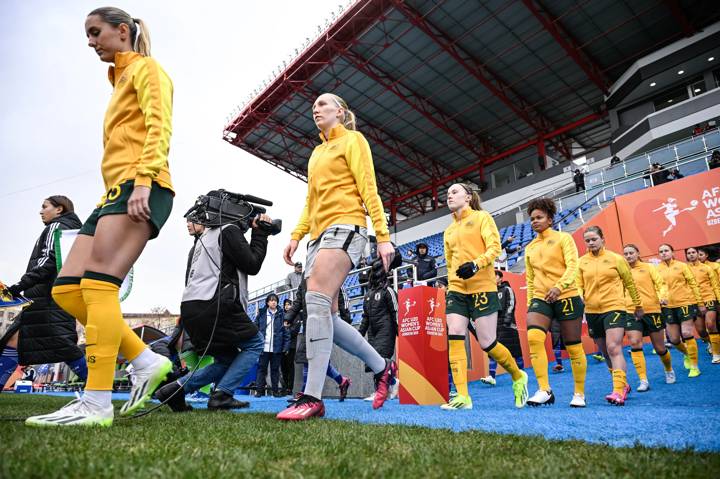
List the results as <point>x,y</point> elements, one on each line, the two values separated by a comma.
<point>53,95</point>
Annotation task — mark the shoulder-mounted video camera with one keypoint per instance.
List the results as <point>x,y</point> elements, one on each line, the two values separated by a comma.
<point>220,207</point>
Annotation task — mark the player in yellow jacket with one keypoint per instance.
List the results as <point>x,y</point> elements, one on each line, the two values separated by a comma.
<point>653,296</point>
<point>603,277</point>
<point>137,202</point>
<point>683,298</point>
<point>704,257</point>
<point>472,243</point>
<point>707,281</point>
<point>341,188</point>
<point>551,266</point>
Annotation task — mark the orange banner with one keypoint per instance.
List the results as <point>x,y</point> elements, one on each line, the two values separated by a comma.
<point>683,213</point>
<point>607,220</point>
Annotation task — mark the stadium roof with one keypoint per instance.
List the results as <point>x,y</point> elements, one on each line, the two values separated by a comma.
<point>443,88</point>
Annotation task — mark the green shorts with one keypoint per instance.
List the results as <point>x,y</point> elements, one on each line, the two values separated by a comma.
<point>680,314</point>
<point>711,305</point>
<point>472,305</point>
<point>562,309</point>
<point>115,203</point>
<point>650,323</point>
<point>598,323</point>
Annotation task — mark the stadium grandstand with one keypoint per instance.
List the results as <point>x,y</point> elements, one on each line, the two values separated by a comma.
<point>509,96</point>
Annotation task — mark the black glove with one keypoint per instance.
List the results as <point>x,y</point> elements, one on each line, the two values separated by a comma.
<point>467,270</point>
<point>15,289</point>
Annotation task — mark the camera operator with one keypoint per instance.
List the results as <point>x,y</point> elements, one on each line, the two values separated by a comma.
<point>235,343</point>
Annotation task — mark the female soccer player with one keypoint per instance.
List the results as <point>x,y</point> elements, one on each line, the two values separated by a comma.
<point>551,265</point>
<point>472,243</point>
<point>602,277</point>
<point>683,297</point>
<point>341,187</point>
<point>653,296</point>
<point>710,292</point>
<point>136,204</point>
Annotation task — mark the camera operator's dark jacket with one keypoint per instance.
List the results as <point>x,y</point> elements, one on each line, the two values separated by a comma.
<point>47,333</point>
<point>507,332</point>
<point>202,291</point>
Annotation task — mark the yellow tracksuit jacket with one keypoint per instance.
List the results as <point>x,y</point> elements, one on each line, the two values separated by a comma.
<point>473,237</point>
<point>706,280</point>
<point>341,186</point>
<point>551,261</point>
<point>602,280</point>
<point>682,287</point>
<point>650,286</point>
<point>138,123</point>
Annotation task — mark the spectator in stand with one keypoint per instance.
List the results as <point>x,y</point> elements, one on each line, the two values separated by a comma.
<point>379,317</point>
<point>288,359</point>
<point>698,130</point>
<point>425,264</point>
<point>507,332</point>
<point>675,175</point>
<point>715,159</point>
<point>615,160</point>
<point>270,321</point>
<point>579,179</point>
<point>293,279</point>
<point>657,173</point>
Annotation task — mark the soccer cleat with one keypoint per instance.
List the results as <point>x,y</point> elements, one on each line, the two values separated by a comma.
<point>383,381</point>
<point>173,397</point>
<point>615,398</point>
<point>145,382</point>
<point>541,398</point>
<point>488,380</point>
<point>520,390</point>
<point>687,363</point>
<point>370,397</point>
<point>694,372</point>
<point>344,386</point>
<point>457,403</point>
<point>304,408</point>
<point>644,386</point>
<point>708,348</point>
<point>670,377</point>
<point>598,357</point>
<point>716,359</point>
<point>626,392</point>
<point>294,399</point>
<point>578,400</point>
<point>558,368</point>
<point>78,412</point>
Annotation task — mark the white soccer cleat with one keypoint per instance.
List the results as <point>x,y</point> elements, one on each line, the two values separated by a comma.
<point>144,383</point>
<point>670,377</point>
<point>370,397</point>
<point>488,380</point>
<point>541,398</point>
<point>76,413</point>
<point>643,386</point>
<point>716,359</point>
<point>578,400</point>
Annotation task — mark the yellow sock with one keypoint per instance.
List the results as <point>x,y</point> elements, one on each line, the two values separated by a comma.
<point>578,361</point>
<point>458,364</point>
<point>666,360</point>
<point>68,295</point>
<point>681,347</point>
<point>638,360</point>
<point>619,380</point>
<point>715,341</point>
<point>502,356</point>
<point>692,350</point>
<point>538,357</point>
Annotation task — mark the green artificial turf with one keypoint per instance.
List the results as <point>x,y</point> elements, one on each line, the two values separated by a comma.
<point>216,445</point>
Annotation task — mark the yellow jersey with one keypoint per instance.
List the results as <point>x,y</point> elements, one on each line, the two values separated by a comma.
<point>602,280</point>
<point>650,286</point>
<point>706,279</point>
<point>682,287</point>
<point>551,261</point>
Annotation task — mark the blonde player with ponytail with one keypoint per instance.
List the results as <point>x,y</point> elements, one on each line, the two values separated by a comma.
<point>137,202</point>
<point>341,188</point>
<point>472,243</point>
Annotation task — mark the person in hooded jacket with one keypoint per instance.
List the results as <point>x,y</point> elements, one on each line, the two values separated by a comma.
<point>379,317</point>
<point>425,264</point>
<point>43,332</point>
<point>269,321</point>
